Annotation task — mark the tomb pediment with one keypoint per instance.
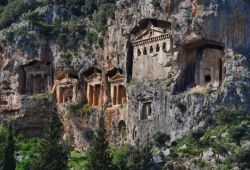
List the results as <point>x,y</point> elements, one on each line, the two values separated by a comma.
<point>150,28</point>
<point>152,32</point>
<point>37,67</point>
<point>94,77</point>
<point>68,81</point>
<point>117,77</point>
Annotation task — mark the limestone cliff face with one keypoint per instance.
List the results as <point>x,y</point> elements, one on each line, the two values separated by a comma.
<point>165,66</point>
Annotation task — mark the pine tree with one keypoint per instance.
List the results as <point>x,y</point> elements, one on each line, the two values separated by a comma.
<point>9,161</point>
<point>134,162</point>
<point>99,155</point>
<point>147,154</point>
<point>52,155</point>
<point>142,156</point>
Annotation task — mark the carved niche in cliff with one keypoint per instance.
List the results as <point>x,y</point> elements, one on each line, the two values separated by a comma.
<point>118,90</point>
<point>122,131</point>
<point>94,87</point>
<point>134,133</point>
<point>146,110</point>
<point>210,70</point>
<point>203,65</point>
<point>152,50</point>
<point>34,78</point>
<point>66,89</point>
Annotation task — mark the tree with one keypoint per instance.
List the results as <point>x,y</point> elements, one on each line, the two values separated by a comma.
<point>9,161</point>
<point>89,7</point>
<point>142,156</point>
<point>160,139</point>
<point>52,154</point>
<point>120,156</point>
<point>99,154</point>
<point>3,2</point>
<point>134,162</point>
<point>147,154</point>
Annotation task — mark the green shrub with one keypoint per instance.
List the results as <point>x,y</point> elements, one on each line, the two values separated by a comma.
<point>230,116</point>
<point>89,7</point>
<point>193,148</point>
<point>78,110</point>
<point>62,40</point>
<point>168,82</point>
<point>101,16</point>
<point>181,106</point>
<point>208,121</point>
<point>219,148</point>
<point>77,160</point>
<point>47,30</point>
<point>197,134</point>
<point>201,163</point>
<point>34,17</point>
<point>92,37</point>
<point>100,41</point>
<point>236,133</point>
<point>26,148</point>
<point>67,56</point>
<point>43,96</point>
<point>239,133</point>
<point>88,52</point>
<point>76,26</point>
<point>73,107</point>
<point>3,135</point>
<point>120,156</point>
<point>12,34</point>
<point>83,43</point>
<point>15,9</point>
<point>160,139</point>
<point>75,6</point>
<point>85,109</point>
<point>242,157</point>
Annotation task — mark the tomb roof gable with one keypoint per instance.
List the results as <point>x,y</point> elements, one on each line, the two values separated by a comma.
<point>117,77</point>
<point>145,23</point>
<point>36,67</point>
<point>149,33</point>
<point>93,76</point>
<point>68,81</point>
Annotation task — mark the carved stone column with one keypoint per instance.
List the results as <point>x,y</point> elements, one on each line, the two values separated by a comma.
<point>94,96</point>
<point>74,93</point>
<point>117,94</point>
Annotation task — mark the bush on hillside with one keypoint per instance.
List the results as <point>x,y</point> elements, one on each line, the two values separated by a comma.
<point>242,158</point>
<point>120,156</point>
<point>15,9</point>
<point>230,116</point>
<point>160,139</point>
<point>101,16</point>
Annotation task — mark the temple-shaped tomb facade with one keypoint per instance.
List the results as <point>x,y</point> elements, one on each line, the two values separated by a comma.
<point>152,50</point>
<point>36,78</point>
<point>118,90</point>
<point>202,65</point>
<point>66,90</point>
<point>94,89</point>
<point>210,69</point>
